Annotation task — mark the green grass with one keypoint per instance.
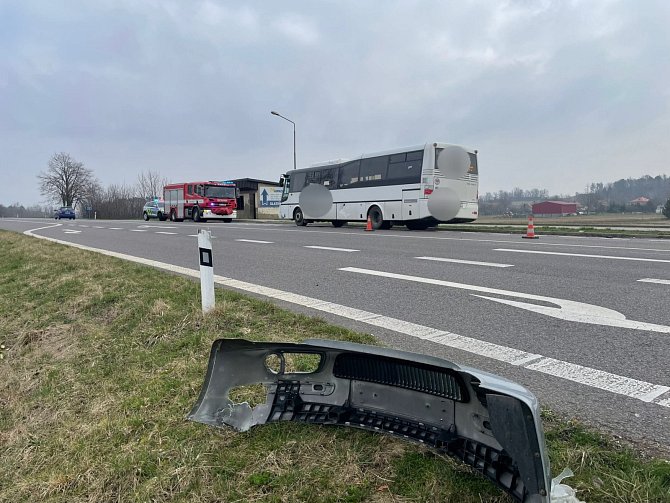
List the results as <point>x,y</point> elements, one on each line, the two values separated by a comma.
<point>102,359</point>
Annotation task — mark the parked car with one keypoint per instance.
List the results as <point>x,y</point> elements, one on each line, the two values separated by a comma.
<point>154,209</point>
<point>64,212</point>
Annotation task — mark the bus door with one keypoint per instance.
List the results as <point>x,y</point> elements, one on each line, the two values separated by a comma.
<point>328,178</point>
<point>410,204</point>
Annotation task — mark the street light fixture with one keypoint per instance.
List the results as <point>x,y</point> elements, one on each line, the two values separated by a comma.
<point>280,115</point>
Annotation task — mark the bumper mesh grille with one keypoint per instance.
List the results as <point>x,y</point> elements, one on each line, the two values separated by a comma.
<point>432,380</point>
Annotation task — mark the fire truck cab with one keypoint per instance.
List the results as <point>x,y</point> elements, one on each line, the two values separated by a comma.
<point>200,201</point>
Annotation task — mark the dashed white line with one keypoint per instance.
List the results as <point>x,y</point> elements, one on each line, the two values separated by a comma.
<point>138,230</point>
<point>255,241</point>
<point>633,388</point>
<point>610,257</point>
<point>164,232</point>
<point>71,231</point>
<point>98,227</point>
<point>654,280</point>
<point>469,262</point>
<point>115,228</point>
<point>348,250</point>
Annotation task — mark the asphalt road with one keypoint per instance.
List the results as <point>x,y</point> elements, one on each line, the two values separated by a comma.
<point>567,317</point>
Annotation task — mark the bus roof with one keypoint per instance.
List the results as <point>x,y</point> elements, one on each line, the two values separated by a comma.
<point>386,152</point>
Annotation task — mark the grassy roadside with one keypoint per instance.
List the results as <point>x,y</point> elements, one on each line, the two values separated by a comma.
<point>102,359</point>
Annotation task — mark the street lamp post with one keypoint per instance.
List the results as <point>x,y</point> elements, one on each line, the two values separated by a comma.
<point>280,115</point>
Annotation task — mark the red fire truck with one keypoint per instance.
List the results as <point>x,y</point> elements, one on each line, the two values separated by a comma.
<point>200,201</point>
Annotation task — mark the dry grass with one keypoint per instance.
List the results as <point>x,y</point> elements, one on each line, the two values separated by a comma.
<point>103,359</point>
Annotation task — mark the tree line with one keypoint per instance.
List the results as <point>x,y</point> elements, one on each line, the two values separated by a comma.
<point>597,197</point>
<point>67,182</point>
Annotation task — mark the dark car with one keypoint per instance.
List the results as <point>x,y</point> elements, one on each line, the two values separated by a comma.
<point>64,212</point>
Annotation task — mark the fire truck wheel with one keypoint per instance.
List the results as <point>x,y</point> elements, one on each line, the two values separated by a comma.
<point>173,217</point>
<point>196,214</point>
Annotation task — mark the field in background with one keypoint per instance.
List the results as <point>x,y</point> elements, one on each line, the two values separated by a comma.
<point>603,219</point>
<point>101,359</point>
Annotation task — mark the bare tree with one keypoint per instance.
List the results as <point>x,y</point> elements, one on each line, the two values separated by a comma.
<point>65,180</point>
<point>150,184</point>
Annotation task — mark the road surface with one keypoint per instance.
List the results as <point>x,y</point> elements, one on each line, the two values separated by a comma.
<point>582,322</point>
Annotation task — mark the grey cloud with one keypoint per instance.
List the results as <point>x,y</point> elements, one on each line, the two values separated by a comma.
<point>127,85</point>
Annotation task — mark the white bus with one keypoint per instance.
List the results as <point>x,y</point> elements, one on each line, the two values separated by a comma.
<point>390,187</point>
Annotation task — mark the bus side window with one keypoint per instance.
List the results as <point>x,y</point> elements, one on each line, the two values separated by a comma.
<point>313,177</point>
<point>349,175</point>
<point>297,181</point>
<point>374,168</point>
<point>329,177</point>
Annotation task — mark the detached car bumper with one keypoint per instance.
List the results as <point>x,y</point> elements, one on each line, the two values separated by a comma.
<point>485,421</point>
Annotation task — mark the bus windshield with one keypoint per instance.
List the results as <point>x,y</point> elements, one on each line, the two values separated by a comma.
<point>217,191</point>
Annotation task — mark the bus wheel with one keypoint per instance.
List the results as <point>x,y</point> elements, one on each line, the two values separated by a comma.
<point>299,218</point>
<point>338,223</point>
<point>376,218</point>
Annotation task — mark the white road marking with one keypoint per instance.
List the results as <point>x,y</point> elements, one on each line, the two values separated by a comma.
<point>83,225</point>
<point>633,388</point>
<point>568,310</point>
<point>163,232</point>
<point>145,226</point>
<point>98,227</point>
<point>255,241</point>
<point>71,231</point>
<point>193,235</point>
<point>610,257</point>
<point>138,230</point>
<point>115,228</point>
<point>459,261</point>
<point>348,250</point>
<point>653,280</point>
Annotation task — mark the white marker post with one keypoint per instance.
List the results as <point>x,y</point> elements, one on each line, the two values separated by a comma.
<point>206,270</point>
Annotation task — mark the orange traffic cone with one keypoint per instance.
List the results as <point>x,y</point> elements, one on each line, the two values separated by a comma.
<point>368,226</point>
<point>530,233</point>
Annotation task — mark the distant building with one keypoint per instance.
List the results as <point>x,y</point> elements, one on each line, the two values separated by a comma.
<point>554,208</point>
<point>640,201</point>
<point>258,198</point>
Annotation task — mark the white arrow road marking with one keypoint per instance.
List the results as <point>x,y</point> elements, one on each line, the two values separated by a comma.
<point>459,261</point>
<point>653,280</point>
<point>610,257</point>
<point>568,310</point>
<point>71,231</point>
<point>632,388</point>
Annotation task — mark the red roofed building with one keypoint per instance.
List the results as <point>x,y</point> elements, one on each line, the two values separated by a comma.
<point>640,201</point>
<point>554,208</point>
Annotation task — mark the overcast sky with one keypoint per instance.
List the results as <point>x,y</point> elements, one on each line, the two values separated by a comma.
<point>553,94</point>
